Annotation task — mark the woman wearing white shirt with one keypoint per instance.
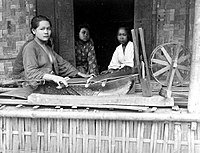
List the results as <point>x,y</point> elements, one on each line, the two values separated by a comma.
<point>123,56</point>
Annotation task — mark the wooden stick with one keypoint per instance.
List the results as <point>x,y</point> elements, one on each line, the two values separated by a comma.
<point>173,68</point>
<point>144,53</point>
<point>148,88</point>
<point>145,82</point>
<point>136,108</point>
<point>135,42</point>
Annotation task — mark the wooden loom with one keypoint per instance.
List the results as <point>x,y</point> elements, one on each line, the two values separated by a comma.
<point>141,62</point>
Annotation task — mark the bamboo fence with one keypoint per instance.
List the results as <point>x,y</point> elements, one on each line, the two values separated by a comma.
<point>34,131</point>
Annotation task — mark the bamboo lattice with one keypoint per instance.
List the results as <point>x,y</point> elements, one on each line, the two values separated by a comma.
<point>27,135</point>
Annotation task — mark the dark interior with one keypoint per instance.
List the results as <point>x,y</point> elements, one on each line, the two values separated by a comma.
<point>104,18</point>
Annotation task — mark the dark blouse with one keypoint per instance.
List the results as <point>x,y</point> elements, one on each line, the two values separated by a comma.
<point>34,62</point>
<point>85,57</point>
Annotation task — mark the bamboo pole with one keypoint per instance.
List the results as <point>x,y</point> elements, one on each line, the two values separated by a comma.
<point>194,92</point>
<point>184,117</point>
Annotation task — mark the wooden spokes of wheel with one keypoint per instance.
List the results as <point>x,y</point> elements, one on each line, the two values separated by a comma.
<point>161,61</point>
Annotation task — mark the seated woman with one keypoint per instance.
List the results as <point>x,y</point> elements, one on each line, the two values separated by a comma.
<point>38,61</point>
<point>85,53</point>
<point>123,57</point>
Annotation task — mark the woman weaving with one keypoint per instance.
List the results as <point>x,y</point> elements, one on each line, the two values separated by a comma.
<point>40,62</point>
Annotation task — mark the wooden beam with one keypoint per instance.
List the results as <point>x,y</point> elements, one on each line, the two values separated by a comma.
<point>65,29</point>
<point>187,24</point>
<point>20,103</point>
<point>194,93</point>
<point>156,88</point>
<point>127,100</point>
<point>101,115</point>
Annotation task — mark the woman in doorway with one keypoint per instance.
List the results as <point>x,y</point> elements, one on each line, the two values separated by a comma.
<point>40,62</point>
<point>123,57</point>
<point>84,50</point>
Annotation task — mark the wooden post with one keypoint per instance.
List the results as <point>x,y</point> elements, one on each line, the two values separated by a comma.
<point>194,92</point>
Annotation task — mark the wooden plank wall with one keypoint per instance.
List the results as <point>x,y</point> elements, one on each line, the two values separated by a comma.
<point>47,8</point>
<point>65,29</point>
<point>143,18</point>
<point>61,14</point>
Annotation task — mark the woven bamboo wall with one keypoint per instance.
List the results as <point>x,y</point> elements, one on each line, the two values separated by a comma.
<point>175,19</point>
<point>26,135</point>
<point>15,17</point>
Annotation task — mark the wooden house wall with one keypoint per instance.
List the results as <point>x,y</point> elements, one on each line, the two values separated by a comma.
<point>175,19</point>
<point>15,16</point>
<point>163,21</point>
<point>61,14</point>
<point>143,17</point>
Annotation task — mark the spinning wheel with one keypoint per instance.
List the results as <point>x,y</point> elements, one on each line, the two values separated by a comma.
<point>163,59</point>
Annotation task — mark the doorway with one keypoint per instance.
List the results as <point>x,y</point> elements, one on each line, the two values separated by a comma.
<point>104,17</point>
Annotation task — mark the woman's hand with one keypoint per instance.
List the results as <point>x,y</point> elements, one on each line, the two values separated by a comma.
<point>108,71</point>
<point>86,75</point>
<point>57,79</point>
